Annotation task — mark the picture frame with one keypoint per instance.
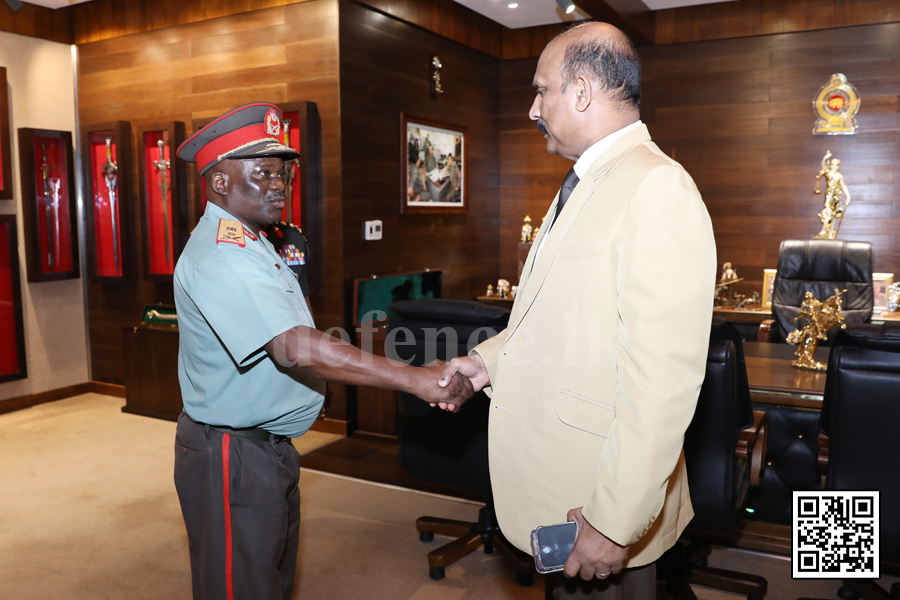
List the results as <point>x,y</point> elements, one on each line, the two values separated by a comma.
<point>164,231</point>
<point>768,286</point>
<point>49,209</point>
<point>110,237</point>
<point>880,284</point>
<point>13,359</point>
<point>433,155</point>
<point>6,174</point>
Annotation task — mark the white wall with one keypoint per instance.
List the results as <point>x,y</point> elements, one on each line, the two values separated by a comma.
<point>41,92</point>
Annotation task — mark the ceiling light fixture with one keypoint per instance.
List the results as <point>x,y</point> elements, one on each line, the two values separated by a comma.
<point>513,5</point>
<point>566,5</point>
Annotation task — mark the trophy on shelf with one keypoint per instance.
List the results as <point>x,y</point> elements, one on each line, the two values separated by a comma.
<point>724,292</point>
<point>502,288</point>
<point>893,297</point>
<point>821,316</point>
<point>527,231</point>
<point>832,214</point>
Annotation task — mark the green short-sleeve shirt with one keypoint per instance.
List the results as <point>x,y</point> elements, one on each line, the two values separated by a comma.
<point>231,302</point>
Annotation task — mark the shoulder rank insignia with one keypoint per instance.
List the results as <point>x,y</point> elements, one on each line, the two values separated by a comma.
<point>250,234</point>
<point>231,232</point>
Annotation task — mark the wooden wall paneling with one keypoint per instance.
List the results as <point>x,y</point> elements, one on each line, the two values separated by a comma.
<point>737,113</point>
<point>763,17</point>
<point>37,21</point>
<point>172,75</point>
<point>529,42</point>
<point>631,16</point>
<point>529,177</point>
<point>110,19</point>
<point>385,71</point>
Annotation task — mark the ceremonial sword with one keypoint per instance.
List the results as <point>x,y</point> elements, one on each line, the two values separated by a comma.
<point>162,165</point>
<point>48,210</point>
<point>55,182</point>
<point>109,170</point>
<point>290,176</point>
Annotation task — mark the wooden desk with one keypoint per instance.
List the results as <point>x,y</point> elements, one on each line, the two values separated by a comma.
<point>744,315</point>
<point>887,316</point>
<point>495,301</point>
<point>774,381</point>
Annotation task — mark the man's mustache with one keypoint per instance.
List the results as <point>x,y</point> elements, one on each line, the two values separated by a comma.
<point>541,127</point>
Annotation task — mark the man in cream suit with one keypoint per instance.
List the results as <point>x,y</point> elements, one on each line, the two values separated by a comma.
<point>596,378</point>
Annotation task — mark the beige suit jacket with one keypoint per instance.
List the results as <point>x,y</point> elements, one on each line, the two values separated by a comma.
<point>596,377</point>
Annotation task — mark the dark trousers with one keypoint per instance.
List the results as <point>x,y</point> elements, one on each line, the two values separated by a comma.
<point>629,584</point>
<point>241,507</point>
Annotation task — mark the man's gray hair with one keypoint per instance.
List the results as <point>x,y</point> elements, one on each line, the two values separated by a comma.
<point>613,63</point>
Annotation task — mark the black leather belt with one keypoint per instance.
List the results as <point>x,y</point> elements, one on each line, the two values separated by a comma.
<point>254,433</point>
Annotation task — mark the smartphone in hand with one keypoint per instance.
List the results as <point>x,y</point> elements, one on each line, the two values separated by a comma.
<point>552,545</point>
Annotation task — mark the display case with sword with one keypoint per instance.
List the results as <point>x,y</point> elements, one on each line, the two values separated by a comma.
<point>48,204</point>
<point>162,165</point>
<point>109,172</point>
<point>291,169</point>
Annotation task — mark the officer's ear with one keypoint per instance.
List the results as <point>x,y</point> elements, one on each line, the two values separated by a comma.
<point>217,181</point>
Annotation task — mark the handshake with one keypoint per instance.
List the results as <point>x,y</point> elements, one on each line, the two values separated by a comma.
<point>449,385</point>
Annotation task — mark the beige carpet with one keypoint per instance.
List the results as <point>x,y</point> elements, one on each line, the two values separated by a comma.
<point>88,510</point>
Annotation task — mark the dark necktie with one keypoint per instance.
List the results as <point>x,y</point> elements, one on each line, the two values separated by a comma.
<point>565,191</point>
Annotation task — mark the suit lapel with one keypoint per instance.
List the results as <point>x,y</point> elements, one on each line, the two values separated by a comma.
<point>536,268</point>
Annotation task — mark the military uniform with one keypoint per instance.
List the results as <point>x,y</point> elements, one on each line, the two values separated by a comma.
<point>291,245</point>
<point>236,471</point>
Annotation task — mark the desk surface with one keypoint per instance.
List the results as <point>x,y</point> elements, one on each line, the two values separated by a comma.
<point>774,381</point>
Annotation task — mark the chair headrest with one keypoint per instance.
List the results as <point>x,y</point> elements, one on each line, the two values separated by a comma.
<point>463,312</point>
<point>825,260</point>
<point>871,336</point>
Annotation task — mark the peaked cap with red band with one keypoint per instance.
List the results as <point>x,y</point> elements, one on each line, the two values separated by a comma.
<point>249,131</point>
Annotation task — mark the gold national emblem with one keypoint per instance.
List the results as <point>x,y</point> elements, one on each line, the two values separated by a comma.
<point>273,123</point>
<point>231,232</point>
<point>836,105</point>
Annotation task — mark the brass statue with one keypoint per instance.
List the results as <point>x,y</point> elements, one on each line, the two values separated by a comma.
<point>725,294</point>
<point>527,232</point>
<point>833,213</point>
<point>822,317</point>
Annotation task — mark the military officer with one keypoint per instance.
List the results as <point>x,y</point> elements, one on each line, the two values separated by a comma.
<point>251,367</point>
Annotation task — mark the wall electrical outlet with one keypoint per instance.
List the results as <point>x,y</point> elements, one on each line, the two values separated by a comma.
<point>373,230</point>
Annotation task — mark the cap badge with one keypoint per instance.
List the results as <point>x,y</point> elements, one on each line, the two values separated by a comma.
<point>273,123</point>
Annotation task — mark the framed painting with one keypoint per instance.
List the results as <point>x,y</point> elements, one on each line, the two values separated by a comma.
<point>768,286</point>
<point>434,159</point>
<point>880,284</point>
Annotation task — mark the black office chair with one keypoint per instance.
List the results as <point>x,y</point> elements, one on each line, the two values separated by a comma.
<point>860,416</point>
<point>724,449</point>
<point>820,267</point>
<point>447,448</point>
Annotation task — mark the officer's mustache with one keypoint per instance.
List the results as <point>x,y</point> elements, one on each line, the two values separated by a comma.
<point>541,127</point>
